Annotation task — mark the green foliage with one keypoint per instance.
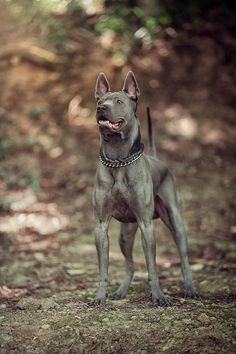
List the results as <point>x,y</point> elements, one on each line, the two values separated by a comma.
<point>129,21</point>
<point>123,18</point>
<point>143,23</point>
<point>36,16</point>
<point>4,205</point>
<point>7,243</point>
<point>34,180</point>
<point>116,24</point>
<point>30,142</point>
<point>36,112</point>
<point>5,146</point>
<point>126,22</point>
<point>30,179</point>
<point>6,142</point>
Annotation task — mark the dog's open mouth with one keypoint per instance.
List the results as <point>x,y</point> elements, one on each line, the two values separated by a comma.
<point>105,123</point>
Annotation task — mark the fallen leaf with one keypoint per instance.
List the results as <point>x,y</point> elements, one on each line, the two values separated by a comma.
<point>7,293</point>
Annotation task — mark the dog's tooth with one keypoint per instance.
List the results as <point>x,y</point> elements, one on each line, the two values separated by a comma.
<point>104,122</point>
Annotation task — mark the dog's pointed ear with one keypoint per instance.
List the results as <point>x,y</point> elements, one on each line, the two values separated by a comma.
<point>131,86</point>
<point>102,86</point>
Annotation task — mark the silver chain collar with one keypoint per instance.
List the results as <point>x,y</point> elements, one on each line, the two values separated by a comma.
<point>117,163</point>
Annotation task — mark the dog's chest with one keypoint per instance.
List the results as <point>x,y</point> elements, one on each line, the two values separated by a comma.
<point>121,201</point>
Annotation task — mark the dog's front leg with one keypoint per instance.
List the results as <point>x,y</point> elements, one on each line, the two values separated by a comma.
<point>102,245</point>
<point>149,246</point>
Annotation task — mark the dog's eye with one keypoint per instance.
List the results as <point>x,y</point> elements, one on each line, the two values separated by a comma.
<point>119,101</point>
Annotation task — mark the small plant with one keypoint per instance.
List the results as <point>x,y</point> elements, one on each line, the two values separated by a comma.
<point>4,205</point>
<point>31,179</point>
<point>5,146</point>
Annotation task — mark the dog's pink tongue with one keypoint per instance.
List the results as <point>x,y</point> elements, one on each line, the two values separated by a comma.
<point>116,125</point>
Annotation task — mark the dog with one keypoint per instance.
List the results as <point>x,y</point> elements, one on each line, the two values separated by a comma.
<point>134,188</point>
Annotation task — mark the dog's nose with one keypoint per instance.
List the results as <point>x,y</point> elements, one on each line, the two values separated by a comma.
<point>102,108</point>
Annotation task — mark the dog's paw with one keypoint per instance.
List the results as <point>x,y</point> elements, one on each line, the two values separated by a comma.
<point>161,300</point>
<point>100,301</point>
<point>191,293</point>
<point>118,295</point>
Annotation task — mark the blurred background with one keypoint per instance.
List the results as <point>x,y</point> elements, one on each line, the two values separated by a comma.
<point>183,54</point>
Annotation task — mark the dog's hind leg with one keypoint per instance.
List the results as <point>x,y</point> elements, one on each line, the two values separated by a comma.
<point>127,234</point>
<point>167,207</point>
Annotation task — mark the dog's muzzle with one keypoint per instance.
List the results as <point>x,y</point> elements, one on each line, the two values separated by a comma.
<point>106,123</point>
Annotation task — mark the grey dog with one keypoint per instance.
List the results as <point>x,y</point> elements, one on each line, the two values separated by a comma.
<point>134,188</point>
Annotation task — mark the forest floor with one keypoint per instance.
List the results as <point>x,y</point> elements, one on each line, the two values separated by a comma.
<point>48,266</point>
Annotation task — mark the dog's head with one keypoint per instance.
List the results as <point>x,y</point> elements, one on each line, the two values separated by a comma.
<point>116,110</point>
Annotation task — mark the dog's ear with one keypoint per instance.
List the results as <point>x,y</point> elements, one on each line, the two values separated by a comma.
<point>131,86</point>
<point>102,86</point>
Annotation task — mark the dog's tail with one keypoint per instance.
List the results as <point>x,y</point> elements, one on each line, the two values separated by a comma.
<point>151,142</point>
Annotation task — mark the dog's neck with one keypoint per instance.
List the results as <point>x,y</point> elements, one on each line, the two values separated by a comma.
<point>122,145</point>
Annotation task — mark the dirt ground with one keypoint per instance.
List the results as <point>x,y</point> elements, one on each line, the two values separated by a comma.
<point>48,270</point>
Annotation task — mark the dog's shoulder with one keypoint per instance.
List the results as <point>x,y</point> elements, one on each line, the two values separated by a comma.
<point>157,167</point>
